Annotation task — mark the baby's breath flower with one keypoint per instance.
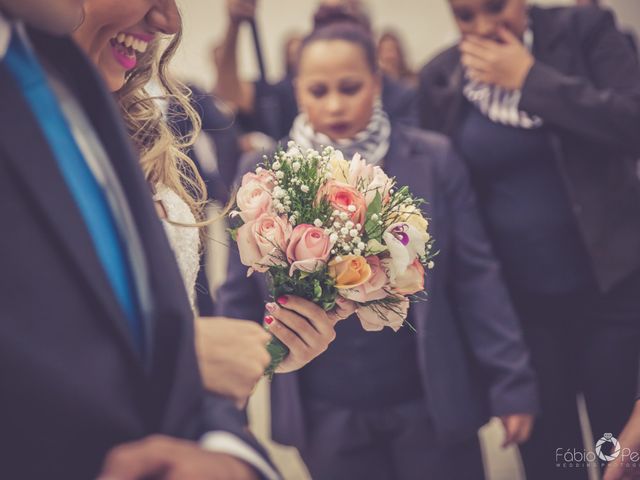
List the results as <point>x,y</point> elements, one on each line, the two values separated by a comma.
<point>317,222</point>
<point>333,237</point>
<point>344,230</point>
<point>374,217</point>
<point>279,174</point>
<point>353,232</point>
<point>276,165</point>
<point>351,208</point>
<point>295,166</point>
<point>349,224</point>
<point>304,188</point>
<point>361,245</point>
<point>357,251</point>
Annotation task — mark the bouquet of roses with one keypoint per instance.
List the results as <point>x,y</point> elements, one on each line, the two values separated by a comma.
<point>320,226</point>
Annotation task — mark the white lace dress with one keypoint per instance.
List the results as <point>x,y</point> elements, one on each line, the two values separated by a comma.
<point>185,241</point>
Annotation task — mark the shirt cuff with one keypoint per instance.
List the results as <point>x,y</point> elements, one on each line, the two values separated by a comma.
<point>225,442</point>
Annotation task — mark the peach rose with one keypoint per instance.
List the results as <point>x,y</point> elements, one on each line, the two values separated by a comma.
<point>350,272</point>
<point>308,248</point>
<point>411,281</point>
<point>374,288</point>
<point>345,198</point>
<point>375,317</point>
<point>254,197</point>
<point>262,242</point>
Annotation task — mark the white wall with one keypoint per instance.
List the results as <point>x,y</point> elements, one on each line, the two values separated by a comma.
<point>426,26</point>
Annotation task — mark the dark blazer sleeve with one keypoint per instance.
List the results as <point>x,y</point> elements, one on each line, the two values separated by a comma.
<point>481,300</point>
<point>604,107</point>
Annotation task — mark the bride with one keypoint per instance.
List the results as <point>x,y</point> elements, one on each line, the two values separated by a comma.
<point>124,39</point>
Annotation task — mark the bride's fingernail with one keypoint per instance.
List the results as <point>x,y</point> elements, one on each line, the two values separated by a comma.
<point>271,307</point>
<point>268,319</point>
<point>283,300</point>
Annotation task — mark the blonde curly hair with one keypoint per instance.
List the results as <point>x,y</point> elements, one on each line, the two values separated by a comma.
<point>161,148</point>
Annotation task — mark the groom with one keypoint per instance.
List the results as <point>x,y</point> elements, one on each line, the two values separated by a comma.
<point>96,338</point>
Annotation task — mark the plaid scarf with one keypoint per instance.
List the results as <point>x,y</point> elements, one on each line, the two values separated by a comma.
<point>501,105</point>
<point>372,142</point>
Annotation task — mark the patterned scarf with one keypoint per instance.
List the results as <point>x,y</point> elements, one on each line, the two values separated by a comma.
<point>372,142</point>
<point>501,105</point>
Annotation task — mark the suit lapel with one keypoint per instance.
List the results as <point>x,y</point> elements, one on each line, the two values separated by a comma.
<point>30,157</point>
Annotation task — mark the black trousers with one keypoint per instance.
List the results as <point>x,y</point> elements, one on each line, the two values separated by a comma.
<point>394,443</point>
<point>584,342</point>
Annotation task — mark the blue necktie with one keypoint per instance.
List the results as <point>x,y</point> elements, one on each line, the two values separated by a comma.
<point>84,188</point>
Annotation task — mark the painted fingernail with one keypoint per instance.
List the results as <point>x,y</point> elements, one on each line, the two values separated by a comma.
<point>268,319</point>
<point>271,307</point>
<point>282,300</point>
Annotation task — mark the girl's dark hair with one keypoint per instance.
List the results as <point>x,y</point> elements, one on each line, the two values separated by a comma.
<point>336,23</point>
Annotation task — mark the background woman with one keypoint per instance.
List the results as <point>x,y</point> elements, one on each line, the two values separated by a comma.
<point>405,405</point>
<point>544,106</point>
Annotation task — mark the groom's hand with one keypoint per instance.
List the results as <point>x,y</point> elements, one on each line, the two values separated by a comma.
<point>165,458</point>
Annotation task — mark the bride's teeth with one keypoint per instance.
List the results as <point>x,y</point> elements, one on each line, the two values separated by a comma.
<point>129,41</point>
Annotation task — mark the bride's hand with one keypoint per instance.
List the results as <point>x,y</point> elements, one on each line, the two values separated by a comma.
<point>232,355</point>
<point>305,328</point>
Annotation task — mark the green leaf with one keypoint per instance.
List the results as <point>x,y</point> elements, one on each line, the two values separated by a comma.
<point>317,290</point>
<point>375,207</point>
<point>234,233</point>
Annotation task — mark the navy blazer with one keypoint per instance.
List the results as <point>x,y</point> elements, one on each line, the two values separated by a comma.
<point>585,85</point>
<point>473,361</point>
<point>72,385</point>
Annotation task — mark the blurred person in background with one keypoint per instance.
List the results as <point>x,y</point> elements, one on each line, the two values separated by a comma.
<point>544,106</point>
<point>395,405</point>
<point>271,107</point>
<point>392,59</point>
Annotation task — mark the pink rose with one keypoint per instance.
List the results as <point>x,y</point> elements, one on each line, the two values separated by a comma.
<point>308,249</point>
<point>262,176</point>
<point>374,288</point>
<point>411,281</point>
<point>375,317</point>
<point>262,242</point>
<point>342,196</point>
<point>254,197</point>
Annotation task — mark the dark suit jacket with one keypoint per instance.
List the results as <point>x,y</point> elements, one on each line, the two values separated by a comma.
<point>71,383</point>
<point>473,362</point>
<point>585,85</point>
